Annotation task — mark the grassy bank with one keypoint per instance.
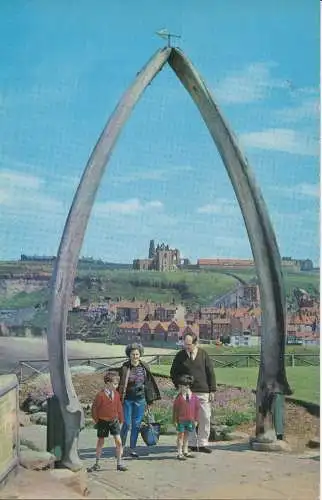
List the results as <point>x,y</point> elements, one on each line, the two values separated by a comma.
<point>304,380</point>
<point>296,349</point>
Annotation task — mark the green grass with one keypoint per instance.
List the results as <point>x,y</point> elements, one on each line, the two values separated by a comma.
<point>304,380</point>
<point>190,287</point>
<point>296,349</point>
<point>24,299</point>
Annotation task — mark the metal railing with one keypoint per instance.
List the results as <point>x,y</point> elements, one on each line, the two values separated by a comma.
<point>231,360</point>
<point>29,369</point>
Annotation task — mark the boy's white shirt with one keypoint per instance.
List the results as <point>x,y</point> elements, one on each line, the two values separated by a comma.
<point>186,392</point>
<point>109,393</point>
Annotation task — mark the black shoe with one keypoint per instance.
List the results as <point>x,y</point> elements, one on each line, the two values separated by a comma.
<point>121,467</point>
<point>133,454</point>
<point>193,448</point>
<point>204,449</point>
<point>94,468</point>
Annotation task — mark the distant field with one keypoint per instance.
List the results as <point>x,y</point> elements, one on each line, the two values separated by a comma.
<point>304,380</point>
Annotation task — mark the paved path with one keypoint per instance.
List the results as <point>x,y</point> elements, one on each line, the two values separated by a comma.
<point>232,471</point>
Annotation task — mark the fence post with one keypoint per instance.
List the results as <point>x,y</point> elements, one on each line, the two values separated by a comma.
<point>292,360</point>
<point>158,359</point>
<point>247,361</point>
<point>20,364</point>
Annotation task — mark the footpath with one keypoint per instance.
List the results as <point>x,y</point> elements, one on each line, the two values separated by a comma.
<point>232,471</point>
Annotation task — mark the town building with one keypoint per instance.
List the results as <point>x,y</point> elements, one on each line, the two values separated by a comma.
<point>227,263</point>
<point>244,341</point>
<point>287,262</point>
<point>243,295</point>
<point>155,331</point>
<point>136,311</point>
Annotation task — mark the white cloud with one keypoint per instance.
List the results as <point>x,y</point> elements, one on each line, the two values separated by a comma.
<point>281,139</point>
<point>252,83</point>
<point>22,194</point>
<point>15,172</point>
<point>161,174</point>
<point>155,204</point>
<point>222,206</point>
<point>307,109</point>
<point>17,180</point>
<point>299,190</point>
<point>307,190</point>
<point>128,207</point>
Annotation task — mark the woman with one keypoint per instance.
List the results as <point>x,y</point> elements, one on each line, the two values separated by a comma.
<point>137,389</point>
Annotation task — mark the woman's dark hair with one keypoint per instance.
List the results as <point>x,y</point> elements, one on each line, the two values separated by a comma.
<point>186,380</point>
<point>134,347</point>
<point>110,376</point>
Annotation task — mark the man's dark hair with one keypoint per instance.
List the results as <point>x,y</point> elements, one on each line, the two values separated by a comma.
<point>186,380</point>
<point>134,347</point>
<point>192,335</point>
<point>110,376</point>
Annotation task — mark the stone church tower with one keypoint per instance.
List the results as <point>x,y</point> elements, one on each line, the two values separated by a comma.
<point>151,250</point>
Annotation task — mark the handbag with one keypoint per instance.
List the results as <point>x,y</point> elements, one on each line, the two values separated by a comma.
<point>150,430</point>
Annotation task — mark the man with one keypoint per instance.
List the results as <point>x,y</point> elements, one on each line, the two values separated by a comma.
<point>194,361</point>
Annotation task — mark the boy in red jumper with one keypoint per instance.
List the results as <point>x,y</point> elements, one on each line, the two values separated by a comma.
<point>107,413</point>
<point>186,409</point>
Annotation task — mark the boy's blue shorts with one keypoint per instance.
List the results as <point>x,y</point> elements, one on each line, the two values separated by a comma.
<point>187,426</point>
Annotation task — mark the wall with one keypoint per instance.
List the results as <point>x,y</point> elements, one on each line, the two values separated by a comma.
<point>9,425</point>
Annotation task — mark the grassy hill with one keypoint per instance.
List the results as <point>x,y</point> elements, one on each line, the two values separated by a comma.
<point>193,287</point>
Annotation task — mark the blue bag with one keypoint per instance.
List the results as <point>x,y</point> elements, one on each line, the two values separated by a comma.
<point>150,430</point>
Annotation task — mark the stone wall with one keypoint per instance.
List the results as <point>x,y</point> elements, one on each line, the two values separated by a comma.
<point>9,425</point>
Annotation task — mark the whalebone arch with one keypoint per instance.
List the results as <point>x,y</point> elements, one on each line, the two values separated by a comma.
<point>262,239</point>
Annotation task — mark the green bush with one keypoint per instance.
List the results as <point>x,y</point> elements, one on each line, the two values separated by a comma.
<point>171,392</point>
<point>233,418</point>
<point>164,417</point>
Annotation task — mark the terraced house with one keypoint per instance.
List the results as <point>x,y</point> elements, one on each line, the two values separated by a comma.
<point>149,331</point>
<point>134,310</point>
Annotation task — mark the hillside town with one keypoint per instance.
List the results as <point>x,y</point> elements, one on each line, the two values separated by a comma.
<point>234,319</point>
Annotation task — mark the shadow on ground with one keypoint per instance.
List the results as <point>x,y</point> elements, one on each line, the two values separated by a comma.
<point>151,453</point>
<point>159,452</point>
<point>232,447</point>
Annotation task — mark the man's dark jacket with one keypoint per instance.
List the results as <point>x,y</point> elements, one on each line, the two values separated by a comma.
<point>201,369</point>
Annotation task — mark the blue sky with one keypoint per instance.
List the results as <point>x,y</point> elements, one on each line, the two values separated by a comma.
<point>65,65</point>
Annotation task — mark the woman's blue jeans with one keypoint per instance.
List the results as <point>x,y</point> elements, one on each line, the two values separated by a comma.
<point>133,416</point>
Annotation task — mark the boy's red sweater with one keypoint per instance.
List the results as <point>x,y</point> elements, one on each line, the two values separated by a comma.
<point>106,408</point>
<point>184,411</point>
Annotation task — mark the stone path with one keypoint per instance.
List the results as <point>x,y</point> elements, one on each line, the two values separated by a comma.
<point>232,471</point>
